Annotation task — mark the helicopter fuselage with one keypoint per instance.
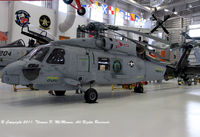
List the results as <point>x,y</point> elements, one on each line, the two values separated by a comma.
<point>65,65</point>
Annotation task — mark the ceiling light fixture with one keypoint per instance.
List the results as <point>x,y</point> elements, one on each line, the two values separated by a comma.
<point>166,10</point>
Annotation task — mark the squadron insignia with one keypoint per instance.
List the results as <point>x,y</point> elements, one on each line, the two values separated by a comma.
<point>45,22</point>
<point>22,18</point>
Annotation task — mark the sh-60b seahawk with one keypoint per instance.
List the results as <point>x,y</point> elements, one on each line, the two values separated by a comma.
<point>81,63</point>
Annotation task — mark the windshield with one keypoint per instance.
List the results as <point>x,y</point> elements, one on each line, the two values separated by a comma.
<point>38,53</point>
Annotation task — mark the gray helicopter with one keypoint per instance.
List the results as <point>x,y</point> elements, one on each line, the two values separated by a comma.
<point>12,52</point>
<point>82,63</point>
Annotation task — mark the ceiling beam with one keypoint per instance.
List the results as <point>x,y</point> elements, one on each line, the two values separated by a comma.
<point>136,4</point>
<point>180,3</point>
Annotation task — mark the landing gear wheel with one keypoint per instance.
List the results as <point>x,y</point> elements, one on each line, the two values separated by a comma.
<point>59,93</point>
<point>82,11</point>
<point>139,89</point>
<point>91,96</point>
<point>68,1</point>
<point>189,83</point>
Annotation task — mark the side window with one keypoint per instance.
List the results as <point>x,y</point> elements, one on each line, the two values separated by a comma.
<point>103,64</point>
<point>57,56</point>
<point>40,54</point>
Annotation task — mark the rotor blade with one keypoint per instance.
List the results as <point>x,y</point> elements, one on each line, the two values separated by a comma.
<point>144,45</point>
<point>154,17</point>
<point>155,28</point>
<point>147,35</point>
<point>166,18</point>
<point>165,30</point>
<point>140,42</point>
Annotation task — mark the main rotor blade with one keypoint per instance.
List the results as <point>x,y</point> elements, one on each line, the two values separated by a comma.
<point>155,28</point>
<point>166,18</point>
<point>165,30</point>
<point>154,17</point>
<point>148,36</point>
<point>140,42</point>
<point>144,45</point>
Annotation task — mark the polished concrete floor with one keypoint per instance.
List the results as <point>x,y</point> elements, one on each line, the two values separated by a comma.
<point>165,110</point>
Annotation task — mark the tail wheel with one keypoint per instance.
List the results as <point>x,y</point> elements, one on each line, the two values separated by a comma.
<point>91,95</point>
<point>68,1</point>
<point>59,93</point>
<point>81,11</point>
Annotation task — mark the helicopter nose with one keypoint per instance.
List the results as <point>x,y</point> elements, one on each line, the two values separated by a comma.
<point>11,73</point>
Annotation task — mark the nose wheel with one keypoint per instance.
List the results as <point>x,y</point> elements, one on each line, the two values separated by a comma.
<point>81,11</point>
<point>91,96</point>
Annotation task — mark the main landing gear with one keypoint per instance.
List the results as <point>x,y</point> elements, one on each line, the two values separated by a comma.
<point>139,88</point>
<point>91,96</point>
<point>57,92</point>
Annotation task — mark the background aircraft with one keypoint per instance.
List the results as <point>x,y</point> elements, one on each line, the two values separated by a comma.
<point>12,52</point>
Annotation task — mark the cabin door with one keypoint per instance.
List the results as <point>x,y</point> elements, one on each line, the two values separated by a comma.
<point>83,63</point>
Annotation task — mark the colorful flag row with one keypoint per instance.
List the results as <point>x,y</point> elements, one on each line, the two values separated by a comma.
<point>114,11</point>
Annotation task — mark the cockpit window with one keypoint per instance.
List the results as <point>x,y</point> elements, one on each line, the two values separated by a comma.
<point>57,56</point>
<point>40,54</point>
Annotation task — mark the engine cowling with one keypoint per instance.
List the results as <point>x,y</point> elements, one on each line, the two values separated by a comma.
<point>104,43</point>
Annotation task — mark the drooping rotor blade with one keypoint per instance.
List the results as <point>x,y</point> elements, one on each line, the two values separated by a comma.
<point>166,18</point>
<point>145,46</point>
<point>160,23</point>
<point>154,17</point>
<point>165,30</point>
<point>140,42</point>
<point>147,35</point>
<point>188,37</point>
<point>155,28</point>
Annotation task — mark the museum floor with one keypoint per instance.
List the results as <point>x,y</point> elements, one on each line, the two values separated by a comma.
<point>165,110</point>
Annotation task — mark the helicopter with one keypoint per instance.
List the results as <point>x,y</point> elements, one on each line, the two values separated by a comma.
<point>84,62</point>
<point>184,70</point>
<point>160,22</point>
<point>12,52</point>
<point>78,5</point>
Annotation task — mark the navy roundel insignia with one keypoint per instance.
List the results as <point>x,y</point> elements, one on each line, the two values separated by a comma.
<point>131,64</point>
<point>22,18</point>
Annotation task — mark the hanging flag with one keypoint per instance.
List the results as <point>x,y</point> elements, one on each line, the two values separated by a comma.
<point>105,8</point>
<point>127,16</point>
<point>136,18</point>
<point>116,11</point>
<point>85,6</point>
<point>132,17</point>
<point>111,10</point>
<point>99,7</point>
<point>140,20</point>
<point>122,13</point>
<point>90,6</point>
<point>96,3</point>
